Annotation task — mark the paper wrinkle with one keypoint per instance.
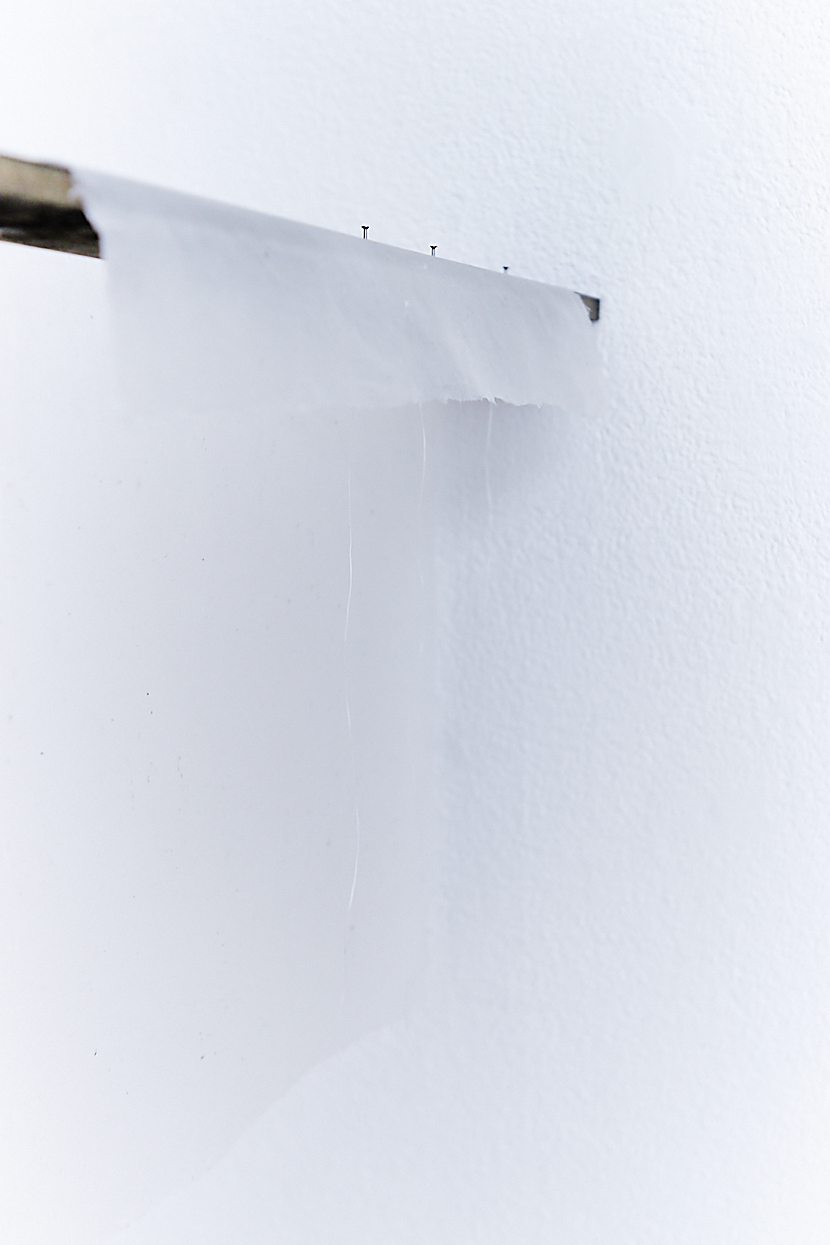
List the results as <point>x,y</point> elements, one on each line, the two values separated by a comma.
<point>224,305</point>
<point>348,706</point>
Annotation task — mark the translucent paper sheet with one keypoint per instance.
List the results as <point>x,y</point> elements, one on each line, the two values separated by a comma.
<point>223,309</point>
<point>226,861</point>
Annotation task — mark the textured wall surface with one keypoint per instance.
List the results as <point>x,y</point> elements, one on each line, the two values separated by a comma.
<point>635,780</point>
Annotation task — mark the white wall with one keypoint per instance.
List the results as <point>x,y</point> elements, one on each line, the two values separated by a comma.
<point>635,770</point>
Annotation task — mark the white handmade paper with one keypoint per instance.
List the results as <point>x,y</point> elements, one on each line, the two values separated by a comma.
<point>225,855</point>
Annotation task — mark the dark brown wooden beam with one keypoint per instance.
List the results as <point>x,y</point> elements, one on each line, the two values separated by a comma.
<point>39,207</point>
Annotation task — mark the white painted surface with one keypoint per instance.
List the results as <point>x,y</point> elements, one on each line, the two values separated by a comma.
<point>635,784</point>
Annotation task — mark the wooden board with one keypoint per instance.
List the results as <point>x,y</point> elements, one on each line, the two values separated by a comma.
<point>39,207</point>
